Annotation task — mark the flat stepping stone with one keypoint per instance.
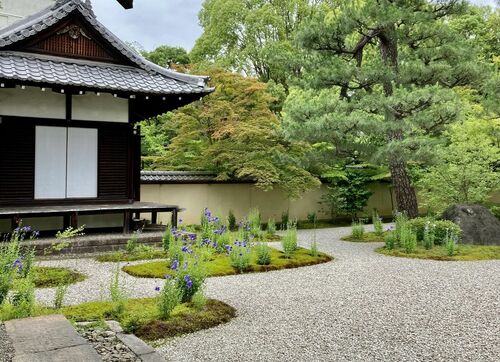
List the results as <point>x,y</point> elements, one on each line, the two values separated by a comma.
<point>48,338</point>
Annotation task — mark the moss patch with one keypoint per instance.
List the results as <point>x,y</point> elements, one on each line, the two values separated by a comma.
<point>370,237</point>
<point>141,316</point>
<point>186,321</point>
<point>220,265</point>
<point>45,277</point>
<point>124,256</point>
<point>464,253</point>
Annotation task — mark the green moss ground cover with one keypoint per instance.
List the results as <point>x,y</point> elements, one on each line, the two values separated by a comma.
<point>142,317</point>
<point>220,265</point>
<point>370,237</point>
<point>463,253</point>
<point>120,256</point>
<point>45,277</point>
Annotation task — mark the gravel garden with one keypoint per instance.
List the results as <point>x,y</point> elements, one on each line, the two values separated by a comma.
<point>207,287</point>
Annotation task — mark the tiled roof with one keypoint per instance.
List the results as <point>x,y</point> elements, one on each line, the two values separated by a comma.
<point>71,72</point>
<point>180,177</point>
<point>34,24</point>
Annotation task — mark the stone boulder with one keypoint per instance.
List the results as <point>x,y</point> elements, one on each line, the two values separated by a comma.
<point>478,224</point>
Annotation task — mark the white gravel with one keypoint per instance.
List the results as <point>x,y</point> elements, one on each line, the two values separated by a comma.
<point>361,307</point>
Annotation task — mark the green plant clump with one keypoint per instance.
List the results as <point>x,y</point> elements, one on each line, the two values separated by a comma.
<point>358,231</point>
<point>169,298</point>
<point>377,224</point>
<point>263,254</point>
<point>289,242</point>
<point>231,221</point>
<point>440,228</point>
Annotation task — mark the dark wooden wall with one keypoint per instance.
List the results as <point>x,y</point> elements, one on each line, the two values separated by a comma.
<point>116,164</point>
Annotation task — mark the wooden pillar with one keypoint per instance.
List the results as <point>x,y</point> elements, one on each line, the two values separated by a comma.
<point>66,221</point>
<point>74,220</point>
<point>154,218</point>
<point>126,222</point>
<point>14,222</point>
<point>174,218</point>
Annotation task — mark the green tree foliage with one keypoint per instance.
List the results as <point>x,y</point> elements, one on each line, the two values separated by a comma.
<point>382,73</point>
<point>348,193</point>
<point>468,170</point>
<point>234,133</point>
<point>255,37</point>
<point>167,56</point>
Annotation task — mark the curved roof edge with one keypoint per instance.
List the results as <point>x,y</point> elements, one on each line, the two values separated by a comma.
<point>34,24</point>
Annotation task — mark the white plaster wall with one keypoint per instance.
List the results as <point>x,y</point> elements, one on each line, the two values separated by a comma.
<point>13,10</point>
<point>32,102</point>
<point>106,108</point>
<point>240,198</point>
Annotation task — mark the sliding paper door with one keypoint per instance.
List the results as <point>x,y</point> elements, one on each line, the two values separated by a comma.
<point>82,163</point>
<point>65,163</point>
<point>50,163</point>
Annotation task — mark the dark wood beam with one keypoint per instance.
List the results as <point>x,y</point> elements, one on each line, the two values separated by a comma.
<point>127,4</point>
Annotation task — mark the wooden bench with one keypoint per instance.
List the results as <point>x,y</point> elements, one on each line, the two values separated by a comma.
<point>70,213</point>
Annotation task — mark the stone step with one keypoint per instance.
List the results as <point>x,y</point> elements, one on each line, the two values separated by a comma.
<point>94,243</point>
<point>49,338</point>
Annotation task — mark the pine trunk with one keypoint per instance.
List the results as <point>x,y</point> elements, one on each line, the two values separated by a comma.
<point>406,197</point>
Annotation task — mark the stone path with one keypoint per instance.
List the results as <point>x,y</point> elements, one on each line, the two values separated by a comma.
<point>48,339</point>
<point>361,307</point>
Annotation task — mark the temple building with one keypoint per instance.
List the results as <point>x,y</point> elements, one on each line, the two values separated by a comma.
<point>71,94</point>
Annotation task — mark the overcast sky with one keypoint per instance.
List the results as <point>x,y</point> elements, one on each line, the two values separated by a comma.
<point>155,22</point>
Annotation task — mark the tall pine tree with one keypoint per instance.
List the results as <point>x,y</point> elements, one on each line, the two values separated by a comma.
<point>383,72</point>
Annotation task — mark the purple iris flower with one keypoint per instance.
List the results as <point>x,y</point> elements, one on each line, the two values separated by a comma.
<point>18,264</point>
<point>189,282</point>
<point>157,289</point>
<point>175,264</point>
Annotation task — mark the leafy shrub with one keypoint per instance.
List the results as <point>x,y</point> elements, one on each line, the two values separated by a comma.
<point>285,219</point>
<point>314,245</point>
<point>271,227</point>
<point>450,241</point>
<point>23,298</point>
<point>390,240</point>
<point>358,230</point>
<point>429,236</point>
<point>240,256</point>
<point>190,274</point>
<point>231,221</point>
<point>254,221</point>
<point>312,217</point>
<point>401,221</point>
<point>289,242</point>
<point>71,233</point>
<point>132,243</point>
<point>118,296</point>
<point>59,296</point>
<point>166,239</point>
<point>440,227</point>
<point>12,262</point>
<point>408,239</point>
<point>377,224</point>
<point>169,298</point>
<point>263,254</point>
<point>199,300</point>
<point>9,262</point>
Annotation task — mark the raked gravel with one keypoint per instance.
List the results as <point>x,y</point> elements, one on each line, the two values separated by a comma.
<point>363,306</point>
